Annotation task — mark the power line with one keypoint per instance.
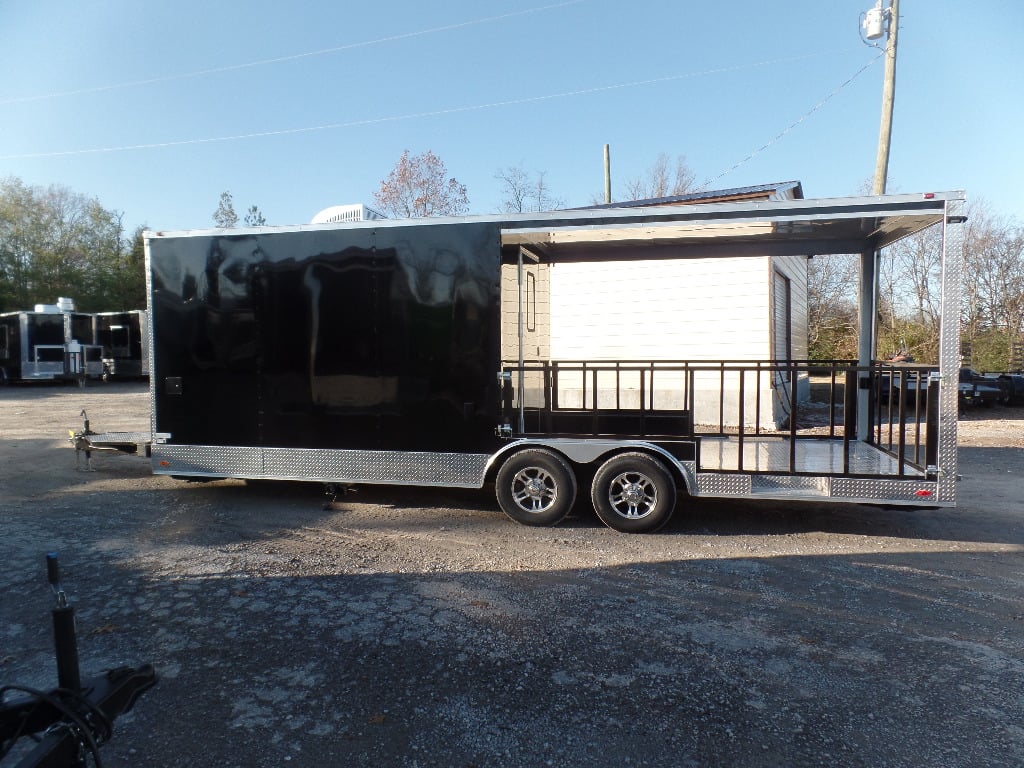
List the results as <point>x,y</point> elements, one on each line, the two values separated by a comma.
<point>803,117</point>
<point>282,59</point>
<point>427,114</point>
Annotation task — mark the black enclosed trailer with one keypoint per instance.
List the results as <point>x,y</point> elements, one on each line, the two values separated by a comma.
<point>124,337</point>
<point>401,352</point>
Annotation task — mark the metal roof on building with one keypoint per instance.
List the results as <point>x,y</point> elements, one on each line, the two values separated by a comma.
<point>776,191</point>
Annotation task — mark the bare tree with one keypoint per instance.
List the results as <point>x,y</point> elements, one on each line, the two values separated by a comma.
<point>225,217</point>
<point>993,309</point>
<point>832,307</point>
<point>418,186</point>
<point>542,196</point>
<point>663,179</point>
<point>522,194</point>
<point>515,188</point>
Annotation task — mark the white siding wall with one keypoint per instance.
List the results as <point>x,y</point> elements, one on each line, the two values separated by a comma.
<point>795,268</point>
<point>685,309</point>
<point>692,309</point>
<point>537,309</point>
<point>536,322</point>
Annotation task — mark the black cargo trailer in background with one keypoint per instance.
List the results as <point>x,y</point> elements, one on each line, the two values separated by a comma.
<point>78,326</point>
<point>124,338</point>
<point>407,352</point>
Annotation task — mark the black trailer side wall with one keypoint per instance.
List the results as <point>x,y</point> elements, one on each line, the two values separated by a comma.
<point>365,338</point>
<point>79,327</point>
<point>10,346</point>
<point>45,329</point>
<point>121,334</point>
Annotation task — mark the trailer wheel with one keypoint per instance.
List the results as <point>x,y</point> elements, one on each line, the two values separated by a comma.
<point>633,493</point>
<point>536,487</point>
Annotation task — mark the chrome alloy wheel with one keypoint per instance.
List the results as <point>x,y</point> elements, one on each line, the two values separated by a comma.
<point>534,489</point>
<point>632,495</point>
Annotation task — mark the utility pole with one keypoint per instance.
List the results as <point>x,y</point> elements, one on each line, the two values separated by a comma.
<point>888,96</point>
<point>607,174</point>
<point>874,27</point>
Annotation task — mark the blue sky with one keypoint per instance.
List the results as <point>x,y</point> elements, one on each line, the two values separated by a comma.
<point>156,108</point>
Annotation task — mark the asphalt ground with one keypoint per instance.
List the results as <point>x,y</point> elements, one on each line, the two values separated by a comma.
<point>418,627</point>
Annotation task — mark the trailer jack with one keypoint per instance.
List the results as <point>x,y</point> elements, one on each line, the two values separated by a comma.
<point>87,441</point>
<point>82,445</point>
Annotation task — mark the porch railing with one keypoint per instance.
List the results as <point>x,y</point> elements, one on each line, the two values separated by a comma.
<point>738,400</point>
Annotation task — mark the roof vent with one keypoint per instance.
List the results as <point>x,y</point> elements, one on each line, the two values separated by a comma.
<point>339,213</point>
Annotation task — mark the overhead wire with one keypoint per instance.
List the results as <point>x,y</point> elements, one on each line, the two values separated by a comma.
<point>442,112</point>
<point>291,57</point>
<point>708,182</point>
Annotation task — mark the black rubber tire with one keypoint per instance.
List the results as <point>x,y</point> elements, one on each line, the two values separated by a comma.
<point>536,487</point>
<point>633,493</point>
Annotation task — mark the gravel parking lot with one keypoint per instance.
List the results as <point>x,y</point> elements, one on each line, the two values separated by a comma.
<point>412,627</point>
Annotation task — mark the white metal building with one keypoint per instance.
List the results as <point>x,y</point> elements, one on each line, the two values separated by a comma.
<point>692,308</point>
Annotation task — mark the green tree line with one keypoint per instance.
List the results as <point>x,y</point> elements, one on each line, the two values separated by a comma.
<point>55,242</point>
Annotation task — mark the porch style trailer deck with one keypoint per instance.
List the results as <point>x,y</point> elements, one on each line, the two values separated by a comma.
<point>49,344</point>
<point>419,352</point>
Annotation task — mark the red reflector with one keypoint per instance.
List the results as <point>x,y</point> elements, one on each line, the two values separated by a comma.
<point>167,464</point>
<point>929,195</point>
<point>924,492</point>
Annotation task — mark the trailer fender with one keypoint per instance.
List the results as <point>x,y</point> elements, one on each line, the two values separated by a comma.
<point>590,452</point>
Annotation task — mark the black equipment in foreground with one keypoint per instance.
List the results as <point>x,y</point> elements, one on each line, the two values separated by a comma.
<point>71,721</point>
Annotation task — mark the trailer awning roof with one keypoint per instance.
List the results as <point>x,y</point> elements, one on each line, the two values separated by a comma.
<point>738,228</point>
<point>791,227</point>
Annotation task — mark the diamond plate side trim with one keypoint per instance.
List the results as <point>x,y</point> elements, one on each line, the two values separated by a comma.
<point>389,467</point>
<point>723,485</point>
<point>99,438</point>
<point>207,460</point>
<point>818,486</point>
<point>385,467</point>
<point>949,348</point>
<point>884,490</point>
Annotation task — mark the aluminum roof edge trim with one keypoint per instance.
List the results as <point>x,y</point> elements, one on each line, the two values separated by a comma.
<point>876,205</point>
<point>930,212</point>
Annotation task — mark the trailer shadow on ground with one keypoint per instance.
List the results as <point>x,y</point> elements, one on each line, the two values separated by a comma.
<point>228,509</point>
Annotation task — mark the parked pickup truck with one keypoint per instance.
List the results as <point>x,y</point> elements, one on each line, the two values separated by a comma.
<point>1012,385</point>
<point>976,389</point>
<point>916,383</point>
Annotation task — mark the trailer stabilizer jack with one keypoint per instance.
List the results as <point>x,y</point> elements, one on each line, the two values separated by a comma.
<point>86,441</point>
